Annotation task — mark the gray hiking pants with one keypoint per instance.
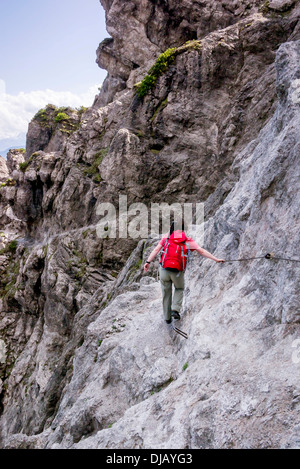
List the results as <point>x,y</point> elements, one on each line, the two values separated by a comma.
<point>171,302</point>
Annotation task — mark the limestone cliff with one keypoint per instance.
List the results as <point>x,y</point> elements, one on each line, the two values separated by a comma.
<point>200,104</point>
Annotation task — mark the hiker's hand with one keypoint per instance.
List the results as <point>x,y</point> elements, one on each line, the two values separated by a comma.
<point>146,267</point>
<point>220,260</point>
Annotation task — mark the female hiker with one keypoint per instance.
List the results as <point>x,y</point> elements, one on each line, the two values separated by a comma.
<point>175,247</point>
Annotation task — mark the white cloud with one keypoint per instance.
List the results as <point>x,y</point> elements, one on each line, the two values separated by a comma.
<point>16,111</point>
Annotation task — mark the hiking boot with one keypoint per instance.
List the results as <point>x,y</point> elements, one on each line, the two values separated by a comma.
<point>175,315</point>
<point>168,321</point>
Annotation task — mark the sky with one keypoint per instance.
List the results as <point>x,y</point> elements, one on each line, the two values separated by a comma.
<point>47,56</point>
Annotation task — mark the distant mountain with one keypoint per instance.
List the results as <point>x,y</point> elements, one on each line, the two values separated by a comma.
<point>4,152</point>
<point>9,143</point>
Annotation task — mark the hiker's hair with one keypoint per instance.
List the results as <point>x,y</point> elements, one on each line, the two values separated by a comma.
<point>176,226</point>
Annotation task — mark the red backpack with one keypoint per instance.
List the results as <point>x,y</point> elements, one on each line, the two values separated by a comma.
<point>175,252</point>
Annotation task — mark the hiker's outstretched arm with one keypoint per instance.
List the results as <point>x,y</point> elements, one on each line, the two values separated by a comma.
<point>204,253</point>
<point>154,252</point>
<point>152,255</point>
<point>207,254</point>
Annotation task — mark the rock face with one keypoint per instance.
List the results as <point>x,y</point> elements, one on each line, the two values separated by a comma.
<point>86,360</point>
<point>3,170</point>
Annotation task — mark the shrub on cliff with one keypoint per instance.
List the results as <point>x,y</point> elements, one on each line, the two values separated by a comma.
<point>62,117</point>
<point>162,64</point>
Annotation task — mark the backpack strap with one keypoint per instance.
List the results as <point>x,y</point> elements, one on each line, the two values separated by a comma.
<point>163,254</point>
<point>185,255</point>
